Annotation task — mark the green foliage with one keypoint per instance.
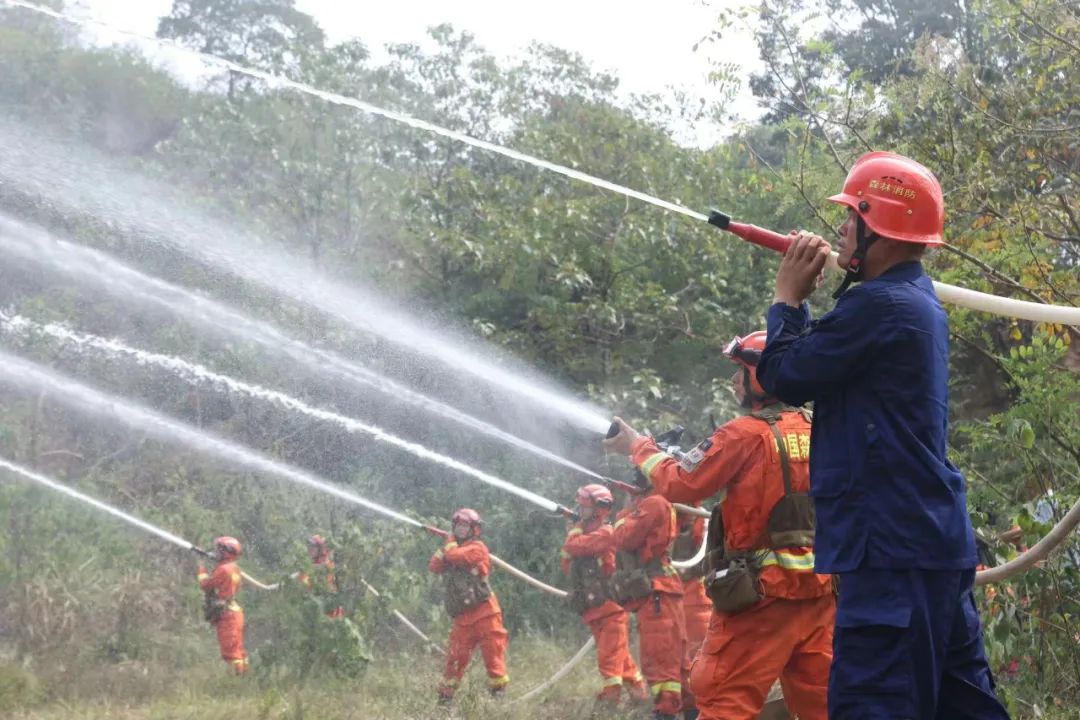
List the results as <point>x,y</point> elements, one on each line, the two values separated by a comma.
<point>306,641</point>
<point>616,298</point>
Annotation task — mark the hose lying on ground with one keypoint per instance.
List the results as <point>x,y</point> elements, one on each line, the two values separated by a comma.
<point>404,620</point>
<point>559,674</point>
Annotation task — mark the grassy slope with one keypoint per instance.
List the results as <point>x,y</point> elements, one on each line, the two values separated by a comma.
<point>394,688</point>
<point>397,687</point>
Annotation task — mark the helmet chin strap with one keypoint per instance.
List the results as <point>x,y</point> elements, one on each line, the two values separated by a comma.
<point>863,241</point>
<point>749,396</point>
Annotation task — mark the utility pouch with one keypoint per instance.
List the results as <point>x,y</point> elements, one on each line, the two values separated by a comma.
<point>213,608</point>
<point>632,581</point>
<point>464,590</point>
<point>588,585</point>
<point>734,588</point>
<point>791,522</point>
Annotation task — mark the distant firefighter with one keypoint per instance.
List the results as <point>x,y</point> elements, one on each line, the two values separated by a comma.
<point>321,578</point>
<point>465,563</point>
<point>220,606</point>
<point>588,558</point>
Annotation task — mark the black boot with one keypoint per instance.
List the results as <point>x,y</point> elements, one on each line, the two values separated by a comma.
<point>690,713</point>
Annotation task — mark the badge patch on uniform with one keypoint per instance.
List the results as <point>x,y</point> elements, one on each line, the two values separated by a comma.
<point>693,458</point>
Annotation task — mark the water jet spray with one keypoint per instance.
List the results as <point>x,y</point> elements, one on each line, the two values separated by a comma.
<point>19,372</point>
<point>1009,307</point>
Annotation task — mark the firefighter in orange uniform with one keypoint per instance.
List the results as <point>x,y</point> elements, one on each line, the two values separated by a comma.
<point>588,559</point>
<point>465,563</point>
<point>220,606</point>
<point>322,557</point>
<point>773,616</point>
<point>646,584</point>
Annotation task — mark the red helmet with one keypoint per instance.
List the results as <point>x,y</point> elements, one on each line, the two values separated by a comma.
<point>316,541</point>
<point>228,547</point>
<point>746,351</point>
<point>595,496</point>
<point>469,517</point>
<point>896,197</point>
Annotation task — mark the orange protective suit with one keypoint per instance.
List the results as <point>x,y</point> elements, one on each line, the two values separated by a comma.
<point>224,583</point>
<point>647,529</point>
<point>325,563</point>
<point>481,625</point>
<point>789,632</point>
<point>608,622</point>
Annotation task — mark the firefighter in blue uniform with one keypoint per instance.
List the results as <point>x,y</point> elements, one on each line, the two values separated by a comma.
<point>892,520</point>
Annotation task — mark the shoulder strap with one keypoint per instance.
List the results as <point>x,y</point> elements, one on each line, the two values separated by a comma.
<point>770,415</point>
<point>715,542</point>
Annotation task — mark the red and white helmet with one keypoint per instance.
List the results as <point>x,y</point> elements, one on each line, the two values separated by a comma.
<point>316,541</point>
<point>595,496</point>
<point>746,352</point>
<point>228,548</point>
<point>468,516</point>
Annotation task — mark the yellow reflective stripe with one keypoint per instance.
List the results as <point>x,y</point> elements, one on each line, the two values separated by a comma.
<point>575,531</point>
<point>499,681</point>
<point>670,686</point>
<point>233,606</point>
<point>651,462</point>
<point>612,681</point>
<point>638,677</point>
<point>202,576</point>
<point>789,561</point>
<point>620,522</point>
<point>564,555</point>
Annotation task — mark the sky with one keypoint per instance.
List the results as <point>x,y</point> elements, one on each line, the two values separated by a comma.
<point>648,45</point>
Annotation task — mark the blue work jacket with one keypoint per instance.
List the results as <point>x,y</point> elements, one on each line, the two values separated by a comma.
<point>877,370</point>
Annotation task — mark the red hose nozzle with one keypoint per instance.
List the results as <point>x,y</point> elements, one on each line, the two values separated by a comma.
<point>751,233</point>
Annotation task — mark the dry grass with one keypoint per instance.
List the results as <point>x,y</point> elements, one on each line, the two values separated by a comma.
<point>395,688</point>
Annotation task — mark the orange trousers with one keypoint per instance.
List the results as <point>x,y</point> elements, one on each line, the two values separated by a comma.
<point>745,653</point>
<point>662,649</point>
<point>230,635</point>
<point>487,632</point>
<point>698,609</point>
<point>613,658</point>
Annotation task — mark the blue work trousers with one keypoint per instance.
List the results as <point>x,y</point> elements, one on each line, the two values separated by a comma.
<point>908,646</point>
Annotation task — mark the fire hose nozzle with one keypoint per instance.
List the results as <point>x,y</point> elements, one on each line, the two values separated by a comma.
<point>612,431</point>
<point>437,532</point>
<point>719,219</point>
<point>568,513</point>
<point>751,233</point>
<point>199,551</point>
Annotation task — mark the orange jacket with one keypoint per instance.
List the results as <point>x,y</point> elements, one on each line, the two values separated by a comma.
<point>741,460</point>
<point>474,555</point>
<point>592,540</point>
<point>647,529</point>
<point>224,581</point>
